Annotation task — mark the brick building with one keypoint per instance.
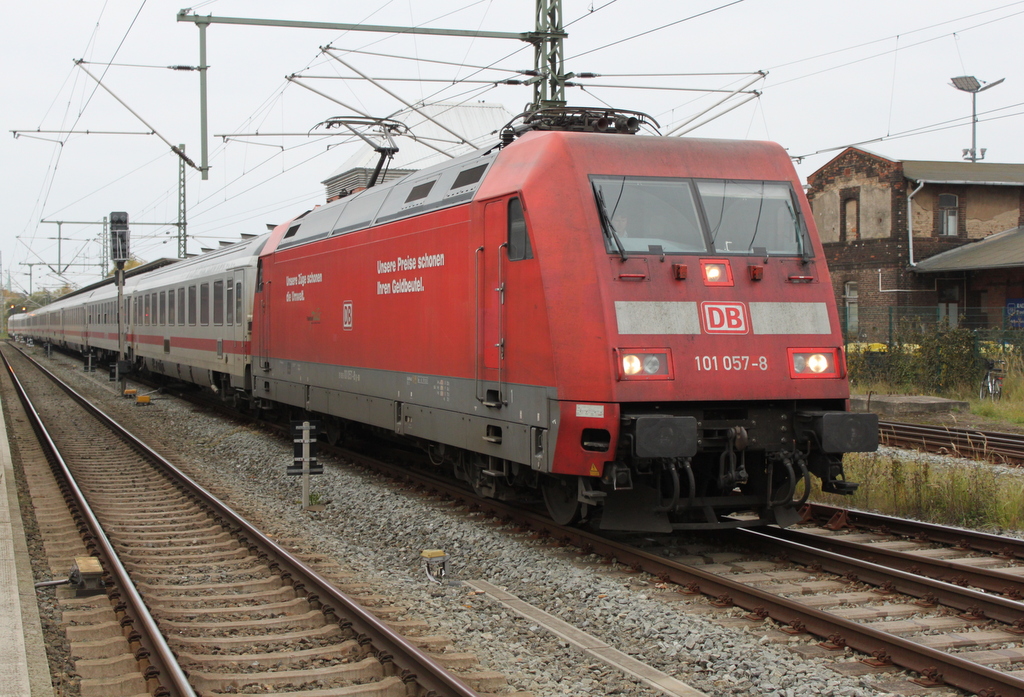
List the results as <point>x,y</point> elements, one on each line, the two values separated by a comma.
<point>875,250</point>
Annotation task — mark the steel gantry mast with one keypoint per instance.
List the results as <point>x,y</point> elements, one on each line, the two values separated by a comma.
<point>547,77</point>
<point>182,210</point>
<point>549,88</point>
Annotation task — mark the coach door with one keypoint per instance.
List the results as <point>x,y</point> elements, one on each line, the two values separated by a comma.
<point>491,259</point>
<point>262,321</point>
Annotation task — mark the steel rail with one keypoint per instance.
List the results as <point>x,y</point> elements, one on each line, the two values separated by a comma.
<point>413,665</point>
<point>151,637</point>
<point>1008,447</point>
<point>949,571</point>
<point>993,607</point>
<point>958,537</point>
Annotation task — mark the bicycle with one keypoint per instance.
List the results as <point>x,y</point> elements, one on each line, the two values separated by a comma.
<point>992,383</point>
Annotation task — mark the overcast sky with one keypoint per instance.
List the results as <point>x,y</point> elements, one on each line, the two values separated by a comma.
<point>838,73</point>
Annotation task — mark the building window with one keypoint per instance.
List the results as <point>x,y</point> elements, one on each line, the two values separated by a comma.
<point>948,204</point>
<point>850,303</point>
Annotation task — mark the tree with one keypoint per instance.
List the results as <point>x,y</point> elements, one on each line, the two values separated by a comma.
<point>132,262</point>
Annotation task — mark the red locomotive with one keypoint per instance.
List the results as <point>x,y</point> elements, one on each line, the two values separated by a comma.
<point>640,328</point>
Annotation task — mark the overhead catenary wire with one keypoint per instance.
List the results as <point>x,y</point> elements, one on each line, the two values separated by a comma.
<point>921,130</point>
<point>656,29</point>
<point>887,52</point>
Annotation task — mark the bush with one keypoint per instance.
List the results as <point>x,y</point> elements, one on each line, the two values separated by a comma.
<point>938,360</point>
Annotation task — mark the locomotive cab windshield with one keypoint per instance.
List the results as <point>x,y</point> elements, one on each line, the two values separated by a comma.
<point>687,216</point>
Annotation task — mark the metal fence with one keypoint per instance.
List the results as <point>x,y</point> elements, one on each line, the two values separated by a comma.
<point>892,325</point>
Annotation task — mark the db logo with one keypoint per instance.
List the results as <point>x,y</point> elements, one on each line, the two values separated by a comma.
<point>346,315</point>
<point>724,318</point>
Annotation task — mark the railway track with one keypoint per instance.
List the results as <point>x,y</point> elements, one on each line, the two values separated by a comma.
<point>941,602</point>
<point>1005,448</point>
<point>206,602</point>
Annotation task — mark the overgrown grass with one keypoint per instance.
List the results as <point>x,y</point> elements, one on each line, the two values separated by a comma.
<point>987,498</point>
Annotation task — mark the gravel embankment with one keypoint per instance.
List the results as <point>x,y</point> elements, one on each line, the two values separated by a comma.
<point>377,530</point>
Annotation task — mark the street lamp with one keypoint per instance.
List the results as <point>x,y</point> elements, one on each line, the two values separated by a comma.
<point>969,83</point>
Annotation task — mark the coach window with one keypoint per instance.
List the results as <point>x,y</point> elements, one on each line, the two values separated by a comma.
<point>204,304</point>
<point>163,308</point>
<point>229,304</point>
<point>238,303</point>
<point>192,305</point>
<point>170,307</point>
<point>518,239</point>
<point>218,302</point>
<point>146,309</point>
<point>181,307</point>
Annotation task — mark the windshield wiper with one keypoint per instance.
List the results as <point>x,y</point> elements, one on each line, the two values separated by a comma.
<point>606,224</point>
<point>797,220</point>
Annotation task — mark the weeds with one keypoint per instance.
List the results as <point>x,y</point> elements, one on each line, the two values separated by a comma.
<point>962,495</point>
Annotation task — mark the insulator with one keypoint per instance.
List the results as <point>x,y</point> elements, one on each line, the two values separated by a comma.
<point>627,124</point>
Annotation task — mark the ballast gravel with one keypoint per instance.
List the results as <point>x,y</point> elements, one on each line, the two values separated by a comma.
<point>377,530</point>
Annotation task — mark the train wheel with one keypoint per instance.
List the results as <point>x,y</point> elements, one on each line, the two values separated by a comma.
<point>560,498</point>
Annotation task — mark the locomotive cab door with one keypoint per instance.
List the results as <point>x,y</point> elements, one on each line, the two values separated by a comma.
<point>491,258</point>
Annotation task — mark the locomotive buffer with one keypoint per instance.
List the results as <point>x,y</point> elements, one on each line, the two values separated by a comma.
<point>305,462</point>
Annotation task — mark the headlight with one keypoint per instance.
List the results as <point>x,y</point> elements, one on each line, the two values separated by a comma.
<point>717,272</point>
<point>817,363</point>
<point>646,364</point>
<point>814,363</point>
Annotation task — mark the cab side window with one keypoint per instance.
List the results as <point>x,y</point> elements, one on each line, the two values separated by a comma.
<point>518,238</point>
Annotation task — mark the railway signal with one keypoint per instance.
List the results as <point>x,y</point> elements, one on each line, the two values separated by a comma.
<point>119,238</point>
